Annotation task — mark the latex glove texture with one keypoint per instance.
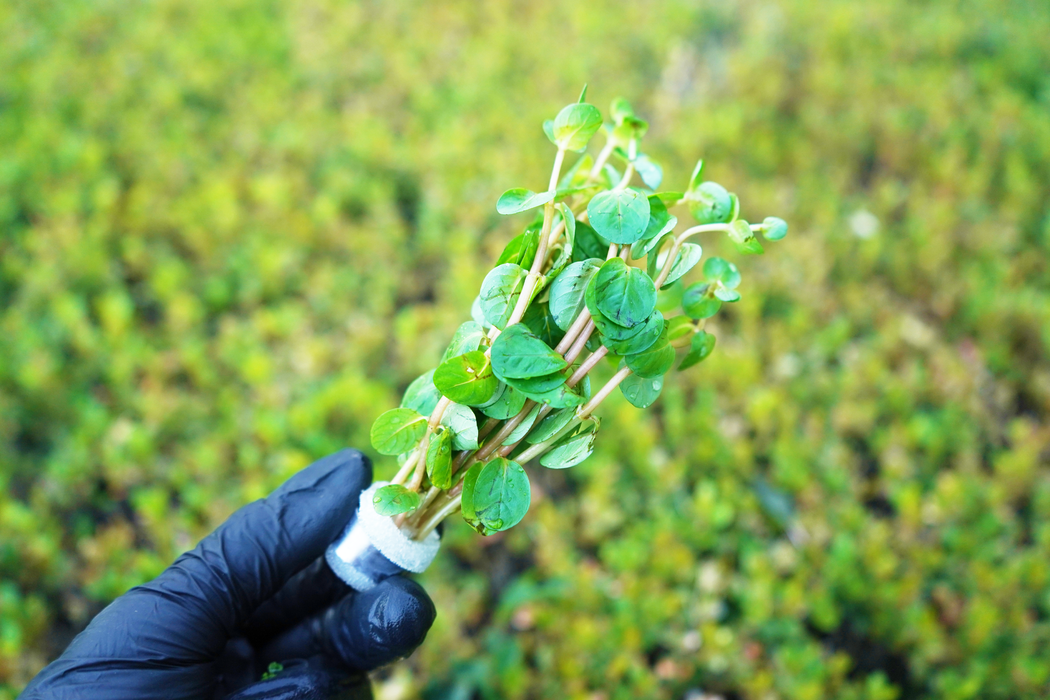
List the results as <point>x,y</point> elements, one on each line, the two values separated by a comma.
<point>255,591</point>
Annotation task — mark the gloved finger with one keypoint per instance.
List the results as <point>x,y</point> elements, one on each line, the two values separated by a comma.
<point>363,631</point>
<point>312,679</point>
<point>308,592</point>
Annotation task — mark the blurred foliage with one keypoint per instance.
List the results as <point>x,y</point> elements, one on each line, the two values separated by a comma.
<point>232,232</point>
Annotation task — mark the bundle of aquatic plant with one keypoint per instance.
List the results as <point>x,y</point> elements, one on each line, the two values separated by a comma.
<point>599,274</point>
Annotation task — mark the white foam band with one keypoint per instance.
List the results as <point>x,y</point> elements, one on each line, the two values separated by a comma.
<point>380,532</point>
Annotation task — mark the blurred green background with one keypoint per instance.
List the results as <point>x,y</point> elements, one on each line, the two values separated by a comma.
<point>232,232</point>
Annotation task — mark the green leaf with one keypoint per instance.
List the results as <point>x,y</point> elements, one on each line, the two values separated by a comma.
<point>661,222</point>
<point>477,315</point>
<point>575,125</point>
<point>466,379</point>
<point>719,270</point>
<point>421,395</point>
<point>573,448</point>
<point>520,199</point>
<point>497,496</point>
<point>517,353</point>
<point>709,203</point>
<point>669,297</point>
<point>541,322</point>
<point>702,345</point>
<point>588,244</point>
<point>578,174</point>
<point>644,248</point>
<point>521,250</point>
<point>499,293</point>
<point>620,110</point>
<point>694,179</point>
<point>548,129</point>
<point>523,428</point>
<point>537,385</point>
<point>572,190</point>
<point>551,425</point>
<point>744,238</point>
<point>727,294</point>
<point>467,502</point>
<point>560,397</point>
<point>649,334</point>
<point>688,256</point>
<point>469,336</point>
<point>397,430</point>
<point>439,458</point>
<point>507,404</point>
<point>670,198</point>
<point>394,499</point>
<point>464,426</point>
<point>641,392</point>
<point>649,170</point>
<point>624,295</point>
<point>583,93</point>
<point>700,302</point>
<point>619,216</point>
<point>679,327</point>
<point>568,291</point>
<point>654,361</point>
<point>569,218</point>
<point>774,229</point>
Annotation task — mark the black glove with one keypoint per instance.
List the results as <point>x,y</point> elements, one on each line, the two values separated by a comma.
<point>255,591</point>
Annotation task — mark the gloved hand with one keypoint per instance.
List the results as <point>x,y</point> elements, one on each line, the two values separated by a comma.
<point>255,591</point>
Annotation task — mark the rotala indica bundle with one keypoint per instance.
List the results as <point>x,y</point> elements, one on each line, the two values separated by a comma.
<point>596,276</point>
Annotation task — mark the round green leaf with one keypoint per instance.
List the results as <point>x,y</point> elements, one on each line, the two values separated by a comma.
<point>497,496</point>
<point>567,292</point>
<point>661,222</point>
<point>520,199</point>
<point>649,334</point>
<point>654,361</point>
<point>421,395</point>
<point>394,499</point>
<point>775,228</point>
<point>507,403</point>
<point>744,238</point>
<point>499,293</point>
<point>619,216</point>
<point>709,203</point>
<point>699,301</point>
<point>641,392</point>
<point>397,430</point>
<point>719,270</point>
<point>575,125</point>
<point>466,379</point>
<point>517,353</point>
<point>727,294</point>
<point>464,426</point>
<point>702,345</point>
<point>537,385</point>
<point>469,336</point>
<point>439,458</point>
<point>625,295</point>
<point>573,448</point>
<point>679,327</point>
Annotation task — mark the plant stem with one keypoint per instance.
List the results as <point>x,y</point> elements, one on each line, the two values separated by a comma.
<point>538,449</point>
<point>587,366</point>
<point>603,156</point>
<point>532,280</point>
<point>574,331</point>
<point>450,507</point>
<point>581,341</point>
<point>407,467</point>
<point>604,392</point>
<point>497,441</point>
